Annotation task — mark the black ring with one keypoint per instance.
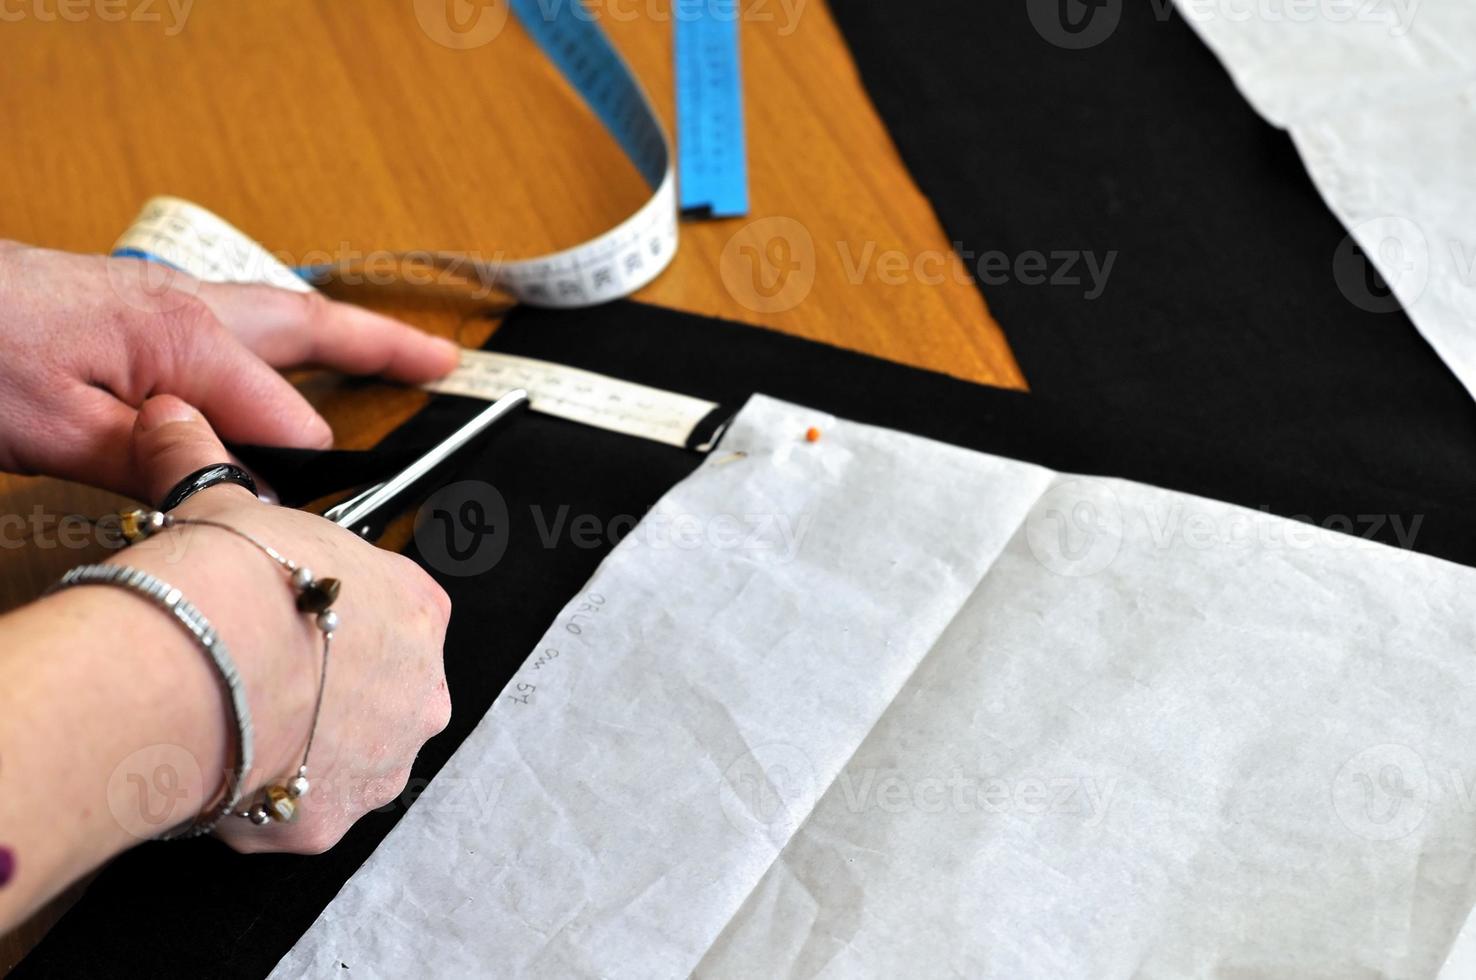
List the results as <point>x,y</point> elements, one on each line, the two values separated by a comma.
<point>204,479</point>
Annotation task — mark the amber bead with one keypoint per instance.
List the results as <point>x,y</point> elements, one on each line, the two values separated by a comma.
<point>280,805</point>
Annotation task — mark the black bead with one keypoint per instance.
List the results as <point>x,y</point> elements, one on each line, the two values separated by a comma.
<point>319,596</point>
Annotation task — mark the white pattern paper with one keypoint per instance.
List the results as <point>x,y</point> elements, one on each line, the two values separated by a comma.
<point>1380,98</point>
<point>876,706</point>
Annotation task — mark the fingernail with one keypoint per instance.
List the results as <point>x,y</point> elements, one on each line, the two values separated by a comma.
<point>161,411</point>
<point>322,433</point>
<point>449,348</point>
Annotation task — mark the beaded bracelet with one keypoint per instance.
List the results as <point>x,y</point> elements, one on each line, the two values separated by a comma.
<point>314,596</point>
<point>198,627</point>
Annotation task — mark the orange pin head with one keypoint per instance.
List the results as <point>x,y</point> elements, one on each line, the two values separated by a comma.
<point>812,434</point>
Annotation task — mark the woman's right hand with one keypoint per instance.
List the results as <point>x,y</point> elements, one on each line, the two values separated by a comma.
<point>385,692</point>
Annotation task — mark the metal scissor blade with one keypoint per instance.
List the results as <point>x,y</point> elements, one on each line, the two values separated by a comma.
<point>354,512</point>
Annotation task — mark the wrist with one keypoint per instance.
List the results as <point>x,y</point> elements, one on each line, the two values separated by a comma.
<point>110,721</point>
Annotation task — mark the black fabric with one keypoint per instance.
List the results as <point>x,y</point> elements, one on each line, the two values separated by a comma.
<point>1221,360</point>
<point>1222,320</point>
<point>300,476</point>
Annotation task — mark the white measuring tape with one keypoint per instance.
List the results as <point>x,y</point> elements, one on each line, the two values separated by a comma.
<point>608,267</point>
<point>585,397</point>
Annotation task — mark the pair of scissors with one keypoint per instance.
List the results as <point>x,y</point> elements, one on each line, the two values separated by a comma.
<point>356,512</point>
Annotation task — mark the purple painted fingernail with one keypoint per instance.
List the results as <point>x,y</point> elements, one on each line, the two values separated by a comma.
<point>7,866</point>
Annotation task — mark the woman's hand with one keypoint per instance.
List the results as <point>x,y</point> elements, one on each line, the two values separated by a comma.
<point>112,721</point>
<point>84,340</point>
<point>385,692</point>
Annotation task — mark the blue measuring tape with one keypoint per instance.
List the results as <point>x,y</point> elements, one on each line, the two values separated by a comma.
<point>614,264</point>
<point>712,158</point>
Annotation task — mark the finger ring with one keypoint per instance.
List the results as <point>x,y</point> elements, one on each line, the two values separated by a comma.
<point>204,479</point>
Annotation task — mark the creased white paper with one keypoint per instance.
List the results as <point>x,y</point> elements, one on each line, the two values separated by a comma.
<point>1380,98</point>
<point>875,706</point>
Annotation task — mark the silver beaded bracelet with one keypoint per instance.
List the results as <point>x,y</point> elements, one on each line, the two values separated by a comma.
<point>314,596</point>
<point>198,627</point>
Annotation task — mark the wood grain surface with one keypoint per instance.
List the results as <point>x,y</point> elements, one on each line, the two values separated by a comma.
<point>354,129</point>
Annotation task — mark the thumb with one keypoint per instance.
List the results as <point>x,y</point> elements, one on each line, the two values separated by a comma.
<point>170,441</point>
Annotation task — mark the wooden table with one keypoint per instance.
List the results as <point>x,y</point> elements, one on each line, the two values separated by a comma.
<point>356,128</point>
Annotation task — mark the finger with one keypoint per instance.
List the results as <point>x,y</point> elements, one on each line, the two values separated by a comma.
<point>191,355</point>
<point>170,441</point>
<point>287,329</point>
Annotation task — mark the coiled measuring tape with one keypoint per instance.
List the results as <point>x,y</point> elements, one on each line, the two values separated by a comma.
<point>610,266</point>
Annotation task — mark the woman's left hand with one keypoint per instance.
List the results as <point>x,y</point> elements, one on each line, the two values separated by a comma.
<point>85,340</point>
